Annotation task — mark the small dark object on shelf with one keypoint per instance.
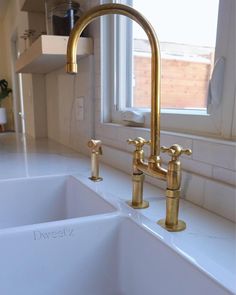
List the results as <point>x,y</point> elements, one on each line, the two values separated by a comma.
<point>61,16</point>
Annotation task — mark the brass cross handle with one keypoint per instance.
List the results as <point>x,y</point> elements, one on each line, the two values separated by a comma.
<point>138,142</point>
<point>175,151</point>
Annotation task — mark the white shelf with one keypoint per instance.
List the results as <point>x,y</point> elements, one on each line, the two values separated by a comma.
<point>48,53</point>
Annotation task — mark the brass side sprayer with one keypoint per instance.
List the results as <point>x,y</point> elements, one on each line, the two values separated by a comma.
<point>96,152</point>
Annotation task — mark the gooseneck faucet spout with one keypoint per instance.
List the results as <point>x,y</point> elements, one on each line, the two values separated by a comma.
<point>152,167</point>
<point>106,9</point>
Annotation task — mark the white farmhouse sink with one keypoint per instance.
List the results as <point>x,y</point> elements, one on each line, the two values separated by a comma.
<point>98,255</point>
<point>44,199</point>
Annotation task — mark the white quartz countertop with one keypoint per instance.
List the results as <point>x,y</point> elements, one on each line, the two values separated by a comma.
<point>209,240</point>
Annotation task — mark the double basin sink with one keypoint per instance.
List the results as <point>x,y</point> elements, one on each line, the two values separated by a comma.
<point>59,237</point>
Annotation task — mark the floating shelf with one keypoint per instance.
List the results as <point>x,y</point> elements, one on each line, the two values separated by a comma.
<point>48,53</point>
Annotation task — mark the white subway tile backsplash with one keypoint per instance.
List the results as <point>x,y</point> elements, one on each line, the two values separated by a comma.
<point>223,155</point>
<point>98,129</point>
<point>114,159</point>
<point>98,105</point>
<point>221,199</point>
<point>157,182</point>
<point>193,188</point>
<point>109,132</point>
<point>97,119</point>
<point>123,135</point>
<point>97,80</point>
<point>97,95</point>
<point>97,66</point>
<point>108,141</point>
<point>141,132</point>
<point>197,167</point>
<point>225,175</point>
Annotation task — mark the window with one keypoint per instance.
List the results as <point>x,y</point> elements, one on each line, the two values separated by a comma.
<point>190,47</point>
<point>187,49</point>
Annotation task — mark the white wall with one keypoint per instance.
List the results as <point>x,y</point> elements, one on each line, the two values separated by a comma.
<point>12,23</point>
<point>15,23</point>
<point>62,92</point>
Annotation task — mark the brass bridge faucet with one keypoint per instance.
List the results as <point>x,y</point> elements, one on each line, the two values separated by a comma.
<point>152,166</point>
<point>96,148</point>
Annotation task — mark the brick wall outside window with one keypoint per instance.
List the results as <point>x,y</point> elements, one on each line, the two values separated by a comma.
<point>184,81</point>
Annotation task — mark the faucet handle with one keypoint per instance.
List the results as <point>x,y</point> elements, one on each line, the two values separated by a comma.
<point>138,142</point>
<point>175,151</point>
<point>95,145</point>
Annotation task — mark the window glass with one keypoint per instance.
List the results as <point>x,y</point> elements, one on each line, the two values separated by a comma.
<point>186,30</point>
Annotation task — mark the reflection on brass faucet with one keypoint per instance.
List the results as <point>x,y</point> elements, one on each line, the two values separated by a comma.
<point>96,147</point>
<point>152,166</point>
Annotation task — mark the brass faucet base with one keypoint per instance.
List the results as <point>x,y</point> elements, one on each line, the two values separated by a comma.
<point>96,179</point>
<point>181,225</point>
<point>144,204</point>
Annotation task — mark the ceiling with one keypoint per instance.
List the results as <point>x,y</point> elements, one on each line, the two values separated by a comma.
<point>3,8</point>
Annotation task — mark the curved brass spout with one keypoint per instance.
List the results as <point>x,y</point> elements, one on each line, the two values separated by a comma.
<point>105,9</point>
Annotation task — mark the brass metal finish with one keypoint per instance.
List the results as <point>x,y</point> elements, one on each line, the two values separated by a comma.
<point>152,167</point>
<point>137,199</point>
<point>96,147</point>
<point>71,68</point>
<point>171,222</point>
<point>143,205</point>
<point>96,178</point>
<point>105,9</point>
<point>181,225</point>
<point>138,176</point>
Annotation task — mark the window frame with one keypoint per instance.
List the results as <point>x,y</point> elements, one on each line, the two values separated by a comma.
<point>219,123</point>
